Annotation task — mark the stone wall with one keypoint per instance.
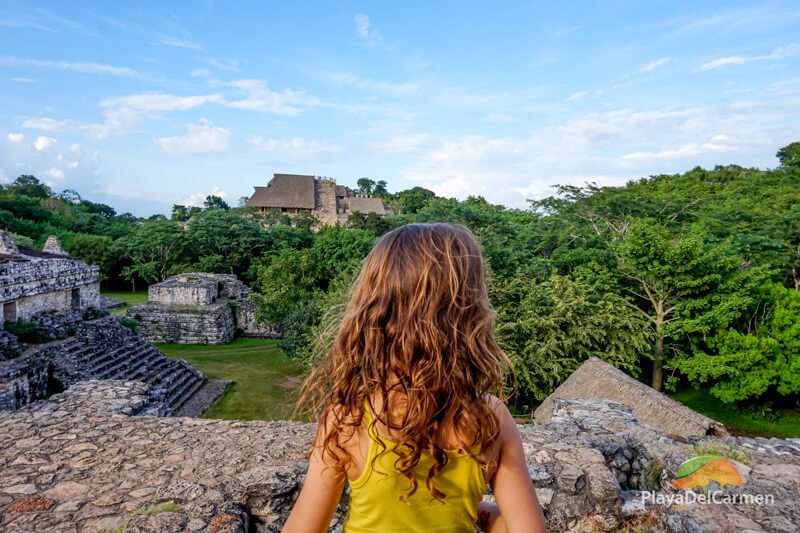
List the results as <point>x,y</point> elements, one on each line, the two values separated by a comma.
<point>325,201</point>
<point>222,306</point>
<point>89,296</point>
<point>23,380</point>
<point>245,316</point>
<point>174,292</point>
<point>101,349</point>
<point>32,281</point>
<point>201,324</point>
<point>78,462</point>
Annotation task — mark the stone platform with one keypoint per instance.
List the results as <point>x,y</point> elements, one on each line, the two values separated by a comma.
<point>80,463</point>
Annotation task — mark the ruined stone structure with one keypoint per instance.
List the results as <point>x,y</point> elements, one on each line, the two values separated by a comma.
<point>596,378</point>
<point>321,197</point>
<point>100,349</point>
<point>200,308</point>
<point>32,281</point>
<point>83,461</point>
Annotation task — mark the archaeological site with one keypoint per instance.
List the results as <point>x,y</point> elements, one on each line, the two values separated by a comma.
<point>99,430</point>
<point>328,202</point>
<point>87,460</point>
<point>200,308</point>
<point>55,300</point>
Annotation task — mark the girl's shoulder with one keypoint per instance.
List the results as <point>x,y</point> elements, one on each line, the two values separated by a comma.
<point>504,417</point>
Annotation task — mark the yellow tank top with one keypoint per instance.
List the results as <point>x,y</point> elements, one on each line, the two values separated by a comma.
<point>374,497</point>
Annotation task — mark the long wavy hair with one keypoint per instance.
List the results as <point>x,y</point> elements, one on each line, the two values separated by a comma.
<point>417,327</point>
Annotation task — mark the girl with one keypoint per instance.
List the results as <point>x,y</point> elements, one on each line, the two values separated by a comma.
<point>406,415</point>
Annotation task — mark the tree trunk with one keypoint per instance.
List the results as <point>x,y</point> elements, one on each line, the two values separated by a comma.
<point>658,364</point>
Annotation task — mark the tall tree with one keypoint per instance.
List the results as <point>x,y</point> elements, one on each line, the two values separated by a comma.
<point>789,155</point>
<point>365,185</point>
<point>685,284</point>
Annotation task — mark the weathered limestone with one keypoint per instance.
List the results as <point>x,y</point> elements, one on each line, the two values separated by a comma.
<point>200,308</point>
<point>322,197</point>
<point>32,281</point>
<point>78,462</point>
<point>596,378</point>
<point>101,349</point>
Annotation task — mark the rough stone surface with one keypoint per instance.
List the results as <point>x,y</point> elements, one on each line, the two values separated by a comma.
<point>596,378</point>
<point>78,463</point>
<point>99,349</point>
<point>32,281</point>
<point>200,308</point>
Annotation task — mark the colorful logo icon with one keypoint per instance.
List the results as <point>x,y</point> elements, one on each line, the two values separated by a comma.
<point>700,470</point>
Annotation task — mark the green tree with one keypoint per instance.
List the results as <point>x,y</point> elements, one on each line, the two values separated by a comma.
<point>154,250</point>
<point>365,185</point>
<point>759,362</point>
<point>215,202</point>
<point>27,185</point>
<point>685,285</point>
<point>380,189</point>
<point>413,200</point>
<point>550,328</point>
<point>789,155</point>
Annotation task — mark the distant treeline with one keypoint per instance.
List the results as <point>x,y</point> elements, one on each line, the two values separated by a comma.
<point>688,279</point>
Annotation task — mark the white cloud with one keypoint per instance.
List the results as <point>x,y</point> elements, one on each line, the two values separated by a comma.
<point>200,138</point>
<point>46,124</point>
<point>778,53</point>
<point>258,97</point>
<point>197,199</point>
<point>15,137</point>
<point>499,117</point>
<point>70,168</point>
<point>655,64</point>
<point>24,80</point>
<point>55,173</point>
<point>401,143</point>
<point>124,114</point>
<point>42,143</point>
<point>74,66</point>
<point>580,95</point>
<point>342,79</point>
<point>365,31</point>
<point>295,148</point>
<point>609,148</point>
<point>179,43</point>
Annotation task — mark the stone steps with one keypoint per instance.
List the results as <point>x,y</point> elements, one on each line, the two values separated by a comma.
<point>111,351</point>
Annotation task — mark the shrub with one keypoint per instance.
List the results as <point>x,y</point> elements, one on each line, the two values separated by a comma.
<point>26,331</point>
<point>130,323</point>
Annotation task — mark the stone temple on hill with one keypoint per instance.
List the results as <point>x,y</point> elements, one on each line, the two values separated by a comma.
<point>32,281</point>
<point>321,197</point>
<point>200,308</point>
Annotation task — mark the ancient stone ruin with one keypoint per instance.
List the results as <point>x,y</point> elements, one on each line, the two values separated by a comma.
<point>103,348</point>
<point>596,378</point>
<point>200,308</point>
<point>322,197</point>
<point>83,461</point>
<point>32,281</point>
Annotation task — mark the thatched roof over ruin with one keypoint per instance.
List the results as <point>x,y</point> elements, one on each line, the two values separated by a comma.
<point>285,190</point>
<point>364,204</point>
<point>598,379</point>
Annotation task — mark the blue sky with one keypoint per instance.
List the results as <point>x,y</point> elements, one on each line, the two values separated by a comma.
<point>146,104</point>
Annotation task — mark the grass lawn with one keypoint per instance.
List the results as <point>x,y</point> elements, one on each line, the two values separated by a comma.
<point>132,298</point>
<point>266,381</point>
<point>788,425</point>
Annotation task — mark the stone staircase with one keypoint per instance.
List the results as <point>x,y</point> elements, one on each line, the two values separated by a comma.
<point>106,349</point>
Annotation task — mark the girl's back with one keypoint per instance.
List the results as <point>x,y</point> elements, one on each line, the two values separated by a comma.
<point>403,389</point>
<point>375,485</point>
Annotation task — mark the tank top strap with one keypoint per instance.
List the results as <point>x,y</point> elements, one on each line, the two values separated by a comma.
<point>367,412</point>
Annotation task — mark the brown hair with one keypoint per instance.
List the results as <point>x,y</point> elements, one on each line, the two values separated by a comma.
<point>418,325</point>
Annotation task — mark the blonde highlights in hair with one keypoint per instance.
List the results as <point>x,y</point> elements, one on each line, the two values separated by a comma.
<point>418,326</point>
